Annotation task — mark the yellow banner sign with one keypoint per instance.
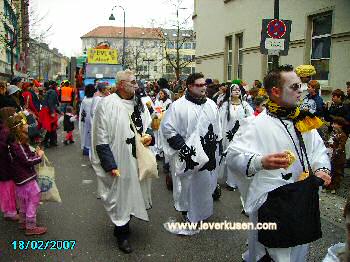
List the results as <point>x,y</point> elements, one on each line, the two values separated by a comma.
<point>102,56</point>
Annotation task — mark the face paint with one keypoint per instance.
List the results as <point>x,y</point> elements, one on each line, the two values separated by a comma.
<point>236,91</point>
<point>291,92</point>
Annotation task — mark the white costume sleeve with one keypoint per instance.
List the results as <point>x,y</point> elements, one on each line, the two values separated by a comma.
<point>100,123</point>
<point>240,152</point>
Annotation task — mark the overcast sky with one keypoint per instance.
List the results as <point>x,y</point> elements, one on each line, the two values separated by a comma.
<point>71,19</point>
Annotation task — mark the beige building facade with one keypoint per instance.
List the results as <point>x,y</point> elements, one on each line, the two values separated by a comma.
<point>228,38</point>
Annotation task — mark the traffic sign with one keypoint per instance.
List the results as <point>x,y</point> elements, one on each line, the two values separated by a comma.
<point>275,35</point>
<point>276,28</point>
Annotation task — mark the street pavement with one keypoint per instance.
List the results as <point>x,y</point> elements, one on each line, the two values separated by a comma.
<point>81,217</point>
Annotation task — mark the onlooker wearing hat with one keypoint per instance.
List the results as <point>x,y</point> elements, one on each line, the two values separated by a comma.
<point>5,100</point>
<point>15,94</point>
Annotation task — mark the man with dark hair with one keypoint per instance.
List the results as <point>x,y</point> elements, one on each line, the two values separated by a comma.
<point>267,163</point>
<point>192,132</point>
<point>337,108</point>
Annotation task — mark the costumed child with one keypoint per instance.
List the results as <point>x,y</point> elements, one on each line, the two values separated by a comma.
<point>7,186</point>
<point>24,174</point>
<point>68,125</point>
<point>336,149</point>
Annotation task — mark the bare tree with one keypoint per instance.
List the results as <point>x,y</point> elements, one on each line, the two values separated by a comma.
<point>19,26</point>
<point>176,38</point>
<point>133,58</point>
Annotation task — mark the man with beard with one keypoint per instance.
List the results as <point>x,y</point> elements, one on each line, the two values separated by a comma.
<point>114,156</point>
<point>279,159</point>
<point>191,129</point>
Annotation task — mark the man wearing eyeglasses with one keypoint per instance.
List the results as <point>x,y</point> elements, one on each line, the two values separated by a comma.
<point>114,156</point>
<point>192,134</point>
<point>280,161</point>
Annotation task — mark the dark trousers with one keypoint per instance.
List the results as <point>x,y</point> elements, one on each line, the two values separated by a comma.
<point>51,137</point>
<point>122,232</point>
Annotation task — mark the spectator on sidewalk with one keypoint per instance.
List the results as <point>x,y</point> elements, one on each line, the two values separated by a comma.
<point>313,102</point>
<point>48,117</point>
<point>7,186</point>
<point>5,100</point>
<point>24,174</point>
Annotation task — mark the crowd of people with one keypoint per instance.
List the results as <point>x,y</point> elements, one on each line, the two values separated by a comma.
<point>276,143</point>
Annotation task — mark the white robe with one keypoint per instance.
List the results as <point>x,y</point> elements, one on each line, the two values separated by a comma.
<point>192,192</point>
<point>122,196</point>
<point>85,123</point>
<point>265,135</point>
<point>237,113</point>
<point>159,106</point>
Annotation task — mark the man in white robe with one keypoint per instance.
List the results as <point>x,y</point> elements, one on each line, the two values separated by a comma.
<point>193,113</point>
<point>114,156</point>
<point>257,158</point>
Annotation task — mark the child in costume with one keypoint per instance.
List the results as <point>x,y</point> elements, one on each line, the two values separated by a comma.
<point>68,125</point>
<point>336,149</point>
<point>24,174</point>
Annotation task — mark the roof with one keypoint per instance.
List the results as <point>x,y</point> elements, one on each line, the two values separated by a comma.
<point>130,32</point>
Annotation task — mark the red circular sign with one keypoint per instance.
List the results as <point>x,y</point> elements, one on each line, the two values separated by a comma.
<point>276,28</point>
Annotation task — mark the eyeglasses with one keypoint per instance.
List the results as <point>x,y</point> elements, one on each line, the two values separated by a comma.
<point>295,86</point>
<point>200,85</point>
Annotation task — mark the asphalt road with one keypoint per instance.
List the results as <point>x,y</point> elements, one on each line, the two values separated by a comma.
<point>81,217</point>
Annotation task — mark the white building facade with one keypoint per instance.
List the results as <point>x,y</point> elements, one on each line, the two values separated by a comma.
<point>228,44</point>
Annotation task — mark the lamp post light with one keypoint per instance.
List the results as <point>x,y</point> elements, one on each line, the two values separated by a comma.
<point>112,18</point>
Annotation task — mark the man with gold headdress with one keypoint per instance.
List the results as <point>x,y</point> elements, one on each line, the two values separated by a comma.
<point>280,161</point>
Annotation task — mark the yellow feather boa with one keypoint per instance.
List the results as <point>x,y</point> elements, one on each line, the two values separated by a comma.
<point>304,124</point>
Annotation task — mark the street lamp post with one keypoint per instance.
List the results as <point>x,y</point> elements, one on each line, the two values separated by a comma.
<point>111,17</point>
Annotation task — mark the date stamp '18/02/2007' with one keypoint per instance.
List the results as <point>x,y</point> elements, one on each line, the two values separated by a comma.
<point>43,244</point>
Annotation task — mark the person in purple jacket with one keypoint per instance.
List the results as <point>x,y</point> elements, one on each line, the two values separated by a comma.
<point>24,174</point>
<point>7,186</point>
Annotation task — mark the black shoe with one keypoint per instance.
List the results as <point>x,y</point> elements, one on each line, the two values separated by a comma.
<point>244,213</point>
<point>217,193</point>
<point>169,182</point>
<point>65,142</point>
<point>53,144</point>
<point>230,188</point>
<point>71,142</point>
<point>46,145</point>
<point>125,246</point>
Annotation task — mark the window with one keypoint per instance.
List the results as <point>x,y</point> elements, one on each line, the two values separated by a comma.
<point>321,45</point>
<point>229,58</point>
<point>186,70</point>
<point>239,41</point>
<point>187,58</point>
<point>171,45</point>
<point>194,46</point>
<point>187,45</point>
<point>155,68</point>
<point>193,70</point>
